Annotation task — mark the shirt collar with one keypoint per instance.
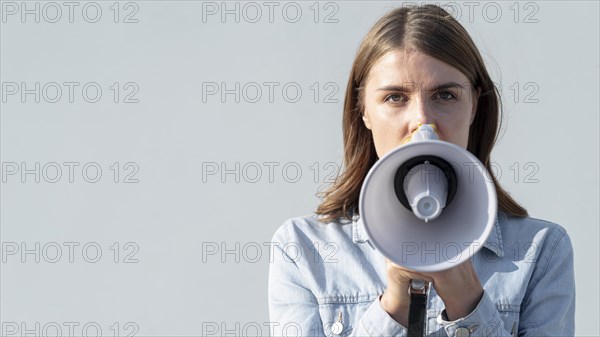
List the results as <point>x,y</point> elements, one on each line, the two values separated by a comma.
<point>493,243</point>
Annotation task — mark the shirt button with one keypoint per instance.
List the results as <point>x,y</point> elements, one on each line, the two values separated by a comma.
<point>462,332</point>
<point>337,328</point>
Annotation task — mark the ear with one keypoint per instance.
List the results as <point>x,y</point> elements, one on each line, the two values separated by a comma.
<point>366,120</point>
<point>475,101</point>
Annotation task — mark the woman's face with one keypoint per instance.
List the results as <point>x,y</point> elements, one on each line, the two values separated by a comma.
<point>408,88</point>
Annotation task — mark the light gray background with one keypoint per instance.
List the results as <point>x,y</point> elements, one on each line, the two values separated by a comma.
<point>547,156</point>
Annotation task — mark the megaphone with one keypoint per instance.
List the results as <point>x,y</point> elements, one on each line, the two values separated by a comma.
<point>428,205</point>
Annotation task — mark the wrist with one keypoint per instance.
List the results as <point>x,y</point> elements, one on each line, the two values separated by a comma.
<point>396,306</point>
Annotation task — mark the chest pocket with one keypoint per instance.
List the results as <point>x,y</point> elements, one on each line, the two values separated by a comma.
<point>339,318</point>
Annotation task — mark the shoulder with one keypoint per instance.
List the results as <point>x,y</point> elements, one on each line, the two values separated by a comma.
<point>328,261</point>
<point>534,239</point>
<point>529,222</point>
<point>309,229</point>
<point>529,228</point>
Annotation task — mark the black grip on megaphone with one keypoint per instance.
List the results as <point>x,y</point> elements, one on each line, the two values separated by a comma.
<point>442,164</point>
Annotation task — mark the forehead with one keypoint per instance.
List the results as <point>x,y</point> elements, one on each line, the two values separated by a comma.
<point>410,66</point>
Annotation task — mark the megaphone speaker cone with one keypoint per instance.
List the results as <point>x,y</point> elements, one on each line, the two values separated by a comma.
<point>459,219</point>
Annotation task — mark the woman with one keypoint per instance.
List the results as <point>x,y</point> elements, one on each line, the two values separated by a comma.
<point>418,65</point>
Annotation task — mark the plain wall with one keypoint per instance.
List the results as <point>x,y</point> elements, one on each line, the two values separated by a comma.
<point>171,238</point>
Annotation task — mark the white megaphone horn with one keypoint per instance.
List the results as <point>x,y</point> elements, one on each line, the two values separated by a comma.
<point>428,205</point>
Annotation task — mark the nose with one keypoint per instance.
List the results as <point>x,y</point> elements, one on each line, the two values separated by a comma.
<point>420,113</point>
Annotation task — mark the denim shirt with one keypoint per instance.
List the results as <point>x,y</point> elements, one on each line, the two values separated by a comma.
<point>327,279</point>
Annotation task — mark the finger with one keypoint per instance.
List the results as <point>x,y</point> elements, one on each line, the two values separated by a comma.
<point>409,274</point>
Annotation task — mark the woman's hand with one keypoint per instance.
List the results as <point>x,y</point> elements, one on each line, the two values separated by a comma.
<point>396,298</point>
<point>458,287</point>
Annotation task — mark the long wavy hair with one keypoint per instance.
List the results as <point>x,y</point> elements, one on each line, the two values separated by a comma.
<point>431,30</point>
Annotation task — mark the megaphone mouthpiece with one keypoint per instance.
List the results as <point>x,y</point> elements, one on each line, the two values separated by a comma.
<point>423,132</point>
<point>425,185</point>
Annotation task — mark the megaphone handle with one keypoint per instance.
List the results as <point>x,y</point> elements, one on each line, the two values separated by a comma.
<point>418,307</point>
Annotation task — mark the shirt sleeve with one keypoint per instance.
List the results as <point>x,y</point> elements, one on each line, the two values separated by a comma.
<point>548,308</point>
<point>377,322</point>
<point>294,309</point>
<point>484,320</point>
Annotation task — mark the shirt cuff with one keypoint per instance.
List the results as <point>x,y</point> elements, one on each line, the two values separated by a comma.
<point>475,323</point>
<point>377,322</point>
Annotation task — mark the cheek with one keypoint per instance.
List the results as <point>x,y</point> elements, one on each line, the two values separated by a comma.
<point>456,132</point>
<point>388,133</point>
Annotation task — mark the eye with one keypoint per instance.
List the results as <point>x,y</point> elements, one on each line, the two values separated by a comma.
<point>395,98</point>
<point>446,96</point>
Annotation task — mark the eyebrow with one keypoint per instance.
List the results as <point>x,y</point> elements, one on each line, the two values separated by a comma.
<point>411,87</point>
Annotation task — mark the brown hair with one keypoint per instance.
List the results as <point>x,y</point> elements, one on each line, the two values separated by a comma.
<point>433,31</point>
